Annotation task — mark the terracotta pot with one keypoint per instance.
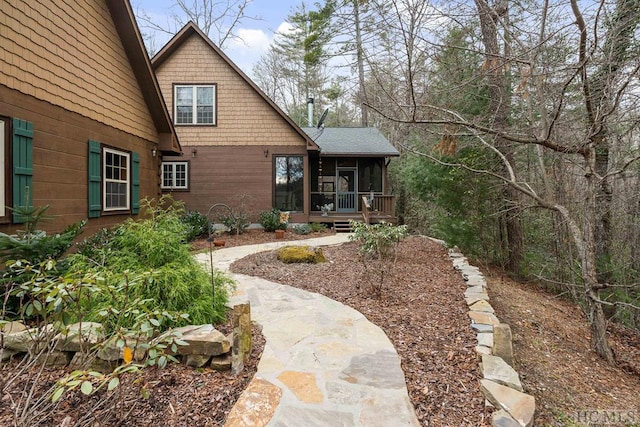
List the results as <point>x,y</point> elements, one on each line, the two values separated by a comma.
<point>279,234</point>
<point>218,243</point>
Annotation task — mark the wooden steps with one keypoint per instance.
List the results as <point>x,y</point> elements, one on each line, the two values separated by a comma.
<point>342,226</point>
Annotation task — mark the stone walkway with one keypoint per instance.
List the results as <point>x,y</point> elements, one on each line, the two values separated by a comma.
<point>324,364</point>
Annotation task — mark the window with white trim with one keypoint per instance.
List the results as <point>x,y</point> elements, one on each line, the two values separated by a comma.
<point>117,179</point>
<point>194,104</point>
<point>175,176</point>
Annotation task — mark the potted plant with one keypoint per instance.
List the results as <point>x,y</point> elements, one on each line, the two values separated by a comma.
<point>326,208</point>
<point>283,223</point>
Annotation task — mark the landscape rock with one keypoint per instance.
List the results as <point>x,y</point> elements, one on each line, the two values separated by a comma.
<point>7,353</point>
<point>54,358</point>
<point>90,361</point>
<point>480,349</point>
<point>241,320</point>
<point>502,418</point>
<point>80,336</point>
<point>485,339</point>
<point>221,363</point>
<point>520,406</point>
<point>256,405</point>
<point>205,340</point>
<point>27,340</point>
<point>111,352</point>
<point>482,328</point>
<point>502,342</point>
<point>196,360</point>
<point>482,306</point>
<point>494,368</point>
<point>13,327</point>
<point>484,318</point>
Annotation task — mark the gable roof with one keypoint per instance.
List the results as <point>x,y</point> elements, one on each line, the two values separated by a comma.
<point>125,23</point>
<point>356,141</point>
<point>190,29</point>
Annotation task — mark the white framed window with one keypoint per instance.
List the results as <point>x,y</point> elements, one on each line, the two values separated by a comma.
<point>175,176</point>
<point>117,178</point>
<point>194,104</point>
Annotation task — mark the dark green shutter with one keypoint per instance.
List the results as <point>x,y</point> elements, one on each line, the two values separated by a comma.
<point>95,179</point>
<point>22,147</point>
<point>135,183</point>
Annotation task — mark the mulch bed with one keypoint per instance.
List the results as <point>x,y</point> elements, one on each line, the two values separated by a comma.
<point>421,309</point>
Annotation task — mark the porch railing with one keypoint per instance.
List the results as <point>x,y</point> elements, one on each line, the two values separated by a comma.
<point>385,204</point>
<point>382,204</point>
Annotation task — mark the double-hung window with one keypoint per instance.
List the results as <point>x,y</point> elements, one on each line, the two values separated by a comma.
<point>117,179</point>
<point>113,180</point>
<point>195,104</point>
<point>175,175</point>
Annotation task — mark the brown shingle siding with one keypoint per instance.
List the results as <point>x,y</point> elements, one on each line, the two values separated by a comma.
<point>60,64</point>
<point>244,118</point>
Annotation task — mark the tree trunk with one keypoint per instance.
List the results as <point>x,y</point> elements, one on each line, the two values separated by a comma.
<point>585,243</point>
<point>499,107</point>
<point>599,91</point>
<point>362,91</point>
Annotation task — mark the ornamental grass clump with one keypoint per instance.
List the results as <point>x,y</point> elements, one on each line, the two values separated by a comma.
<point>301,254</point>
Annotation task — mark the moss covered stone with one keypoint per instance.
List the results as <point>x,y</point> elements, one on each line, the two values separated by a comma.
<point>301,254</point>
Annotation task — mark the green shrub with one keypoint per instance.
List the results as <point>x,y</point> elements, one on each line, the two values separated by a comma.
<point>151,258</point>
<point>197,225</point>
<point>273,220</point>
<point>301,254</point>
<point>36,245</point>
<point>318,227</point>
<point>236,223</point>
<point>378,240</point>
<point>30,247</point>
<point>302,229</point>
<point>378,244</point>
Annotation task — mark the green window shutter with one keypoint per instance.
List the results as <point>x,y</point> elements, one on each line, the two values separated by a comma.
<point>22,147</point>
<point>135,183</point>
<point>95,179</point>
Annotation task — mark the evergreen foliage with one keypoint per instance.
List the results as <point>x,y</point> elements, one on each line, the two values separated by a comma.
<point>151,258</point>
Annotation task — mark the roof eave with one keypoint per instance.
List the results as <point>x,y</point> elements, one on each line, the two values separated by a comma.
<point>336,154</point>
<point>127,28</point>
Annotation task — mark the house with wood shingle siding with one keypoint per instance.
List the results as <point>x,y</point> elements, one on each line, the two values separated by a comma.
<point>238,142</point>
<point>83,126</point>
<point>233,135</point>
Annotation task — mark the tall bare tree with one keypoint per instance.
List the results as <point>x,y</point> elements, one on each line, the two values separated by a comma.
<point>567,118</point>
<point>219,19</point>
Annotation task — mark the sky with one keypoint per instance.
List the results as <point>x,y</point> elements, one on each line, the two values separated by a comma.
<point>257,34</point>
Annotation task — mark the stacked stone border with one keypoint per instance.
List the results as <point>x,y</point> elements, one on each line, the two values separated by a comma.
<point>500,384</point>
<point>85,342</point>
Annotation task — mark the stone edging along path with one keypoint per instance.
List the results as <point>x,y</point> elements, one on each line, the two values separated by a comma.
<point>500,383</point>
